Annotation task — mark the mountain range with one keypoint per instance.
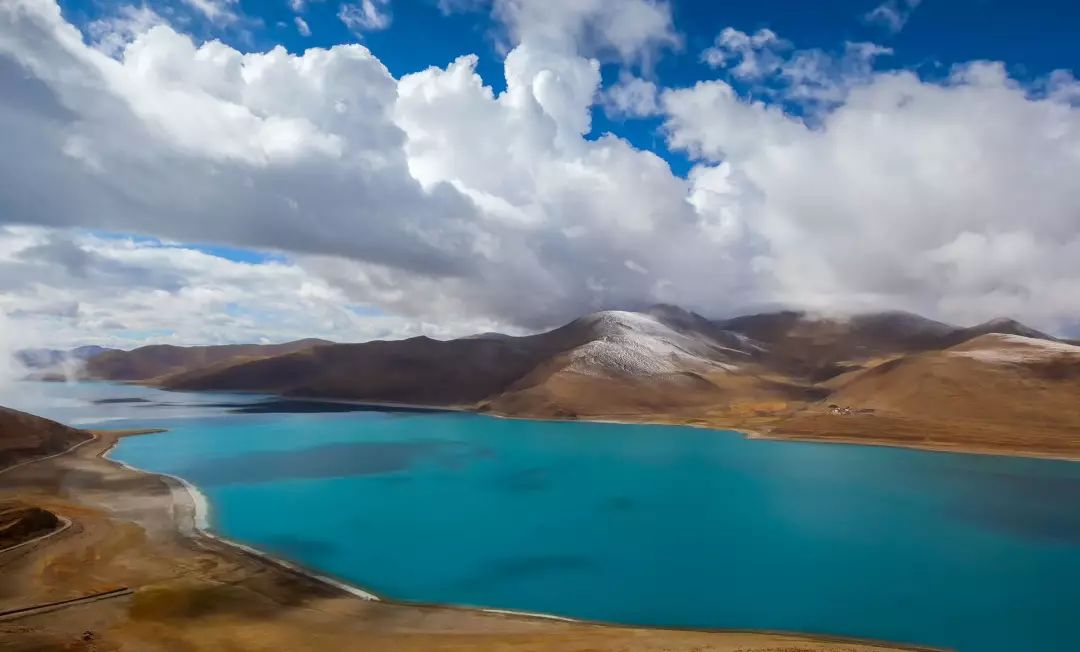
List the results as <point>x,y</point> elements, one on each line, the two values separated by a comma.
<point>889,377</point>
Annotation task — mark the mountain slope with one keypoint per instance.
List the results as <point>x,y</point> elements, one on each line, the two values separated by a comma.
<point>1001,326</point>
<point>149,362</point>
<point>664,361</point>
<point>611,348</point>
<point>24,436</point>
<point>995,392</point>
<point>817,348</point>
<point>774,374</point>
<point>417,370</point>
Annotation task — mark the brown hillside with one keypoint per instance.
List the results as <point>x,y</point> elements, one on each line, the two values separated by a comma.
<point>417,370</point>
<point>148,362</point>
<point>995,392</point>
<point>1001,326</point>
<point>773,374</point>
<point>817,348</point>
<point>633,353</point>
<point>24,436</point>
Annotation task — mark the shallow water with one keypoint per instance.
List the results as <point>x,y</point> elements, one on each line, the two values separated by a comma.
<point>649,525</point>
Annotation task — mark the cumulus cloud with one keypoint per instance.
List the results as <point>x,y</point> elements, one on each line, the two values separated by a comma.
<point>204,143</point>
<point>441,201</point>
<point>951,198</point>
<point>465,197</point>
<point>302,26</point>
<point>632,31</point>
<point>113,33</point>
<point>633,97</point>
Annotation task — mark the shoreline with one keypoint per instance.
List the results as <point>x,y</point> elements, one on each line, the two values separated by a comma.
<point>757,435</point>
<point>200,528</point>
<point>175,517</point>
<point>927,448</point>
<point>200,521</point>
<point>655,420</point>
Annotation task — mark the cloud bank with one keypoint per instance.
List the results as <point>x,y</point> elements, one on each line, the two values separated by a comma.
<point>441,201</point>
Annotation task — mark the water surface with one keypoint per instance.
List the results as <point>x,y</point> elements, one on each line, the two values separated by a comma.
<point>650,525</point>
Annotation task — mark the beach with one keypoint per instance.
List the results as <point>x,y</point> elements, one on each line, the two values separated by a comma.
<point>175,586</point>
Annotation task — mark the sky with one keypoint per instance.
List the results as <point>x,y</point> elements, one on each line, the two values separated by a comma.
<point>213,171</point>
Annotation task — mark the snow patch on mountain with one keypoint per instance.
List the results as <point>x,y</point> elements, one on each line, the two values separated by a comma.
<point>636,344</point>
<point>1011,349</point>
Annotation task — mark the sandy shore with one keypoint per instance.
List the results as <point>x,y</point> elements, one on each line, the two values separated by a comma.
<point>136,531</point>
<point>859,430</point>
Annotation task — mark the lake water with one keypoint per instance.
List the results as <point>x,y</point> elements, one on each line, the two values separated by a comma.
<point>647,525</point>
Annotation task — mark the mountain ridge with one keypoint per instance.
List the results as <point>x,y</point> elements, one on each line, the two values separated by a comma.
<point>773,373</point>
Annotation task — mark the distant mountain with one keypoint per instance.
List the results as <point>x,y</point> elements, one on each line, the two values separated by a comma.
<point>1001,325</point>
<point>467,370</point>
<point>25,436</point>
<point>890,377</point>
<point>149,362</point>
<point>605,362</point>
<point>663,361</point>
<point>54,358</point>
<point>817,347</point>
<point>416,370</point>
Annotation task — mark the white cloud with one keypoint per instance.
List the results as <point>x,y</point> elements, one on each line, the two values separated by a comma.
<point>814,78</point>
<point>302,26</point>
<point>441,201</point>
<point>112,34</point>
<point>633,31</point>
<point>63,289</point>
<point>748,56</point>
<point>631,96</point>
<point>952,198</point>
<point>892,15</point>
<point>216,11</point>
<point>365,15</point>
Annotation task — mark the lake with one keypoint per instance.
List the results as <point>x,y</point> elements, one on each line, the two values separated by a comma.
<point>651,525</point>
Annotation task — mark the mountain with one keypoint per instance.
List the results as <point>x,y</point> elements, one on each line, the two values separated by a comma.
<point>607,364</point>
<point>818,347</point>
<point>893,377</point>
<point>25,436</point>
<point>416,370</point>
<point>1001,325</point>
<point>606,345</point>
<point>54,358</point>
<point>149,362</point>
<point>996,391</point>
<point>627,364</point>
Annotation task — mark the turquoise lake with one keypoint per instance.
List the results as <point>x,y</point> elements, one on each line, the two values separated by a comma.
<point>650,525</point>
